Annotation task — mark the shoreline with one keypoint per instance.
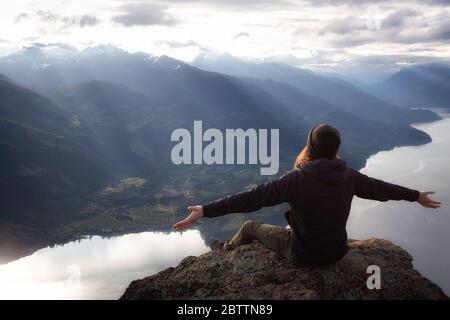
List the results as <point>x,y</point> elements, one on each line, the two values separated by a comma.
<point>421,232</point>
<point>57,239</point>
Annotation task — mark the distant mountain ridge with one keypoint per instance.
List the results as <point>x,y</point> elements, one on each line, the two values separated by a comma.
<point>418,86</point>
<point>44,157</point>
<point>342,94</point>
<point>4,78</point>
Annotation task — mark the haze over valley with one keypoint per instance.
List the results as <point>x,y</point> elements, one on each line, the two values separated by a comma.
<point>86,136</point>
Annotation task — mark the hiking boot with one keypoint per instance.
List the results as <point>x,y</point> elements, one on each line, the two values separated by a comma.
<point>228,246</point>
<point>215,244</point>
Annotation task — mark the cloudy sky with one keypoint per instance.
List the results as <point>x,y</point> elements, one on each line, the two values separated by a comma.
<point>329,35</point>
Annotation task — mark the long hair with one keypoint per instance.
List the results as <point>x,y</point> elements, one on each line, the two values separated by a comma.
<point>303,157</point>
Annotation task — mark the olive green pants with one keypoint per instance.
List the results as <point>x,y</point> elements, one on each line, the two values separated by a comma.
<point>275,238</point>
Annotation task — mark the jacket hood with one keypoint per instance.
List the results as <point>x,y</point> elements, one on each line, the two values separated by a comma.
<point>333,171</point>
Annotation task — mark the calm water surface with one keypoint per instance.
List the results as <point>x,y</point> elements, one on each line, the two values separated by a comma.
<point>99,268</point>
<point>95,268</point>
<point>424,233</point>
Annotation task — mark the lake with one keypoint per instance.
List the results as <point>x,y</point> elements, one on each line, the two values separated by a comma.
<point>424,233</point>
<point>95,268</point>
<point>100,268</point>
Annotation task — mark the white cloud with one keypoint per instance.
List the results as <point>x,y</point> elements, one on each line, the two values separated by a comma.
<point>324,33</point>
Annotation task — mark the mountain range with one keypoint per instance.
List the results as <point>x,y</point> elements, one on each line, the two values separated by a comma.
<point>418,86</point>
<point>85,136</point>
<point>341,94</point>
<point>45,157</point>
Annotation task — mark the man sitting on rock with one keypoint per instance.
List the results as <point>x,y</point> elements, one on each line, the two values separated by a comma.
<point>320,190</point>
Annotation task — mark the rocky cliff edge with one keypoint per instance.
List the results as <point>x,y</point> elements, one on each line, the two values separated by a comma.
<point>254,272</point>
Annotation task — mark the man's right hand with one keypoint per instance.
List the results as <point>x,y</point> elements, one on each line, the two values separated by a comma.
<point>426,202</point>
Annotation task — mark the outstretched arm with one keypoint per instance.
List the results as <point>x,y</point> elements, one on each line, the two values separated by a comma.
<point>265,195</point>
<point>374,189</point>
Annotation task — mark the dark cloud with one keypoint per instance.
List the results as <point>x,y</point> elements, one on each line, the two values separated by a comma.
<point>67,21</point>
<point>87,20</point>
<point>399,18</point>
<point>347,25</point>
<point>439,34</point>
<point>20,17</point>
<point>297,3</point>
<point>238,4</point>
<point>403,26</point>
<point>375,2</point>
<point>144,14</point>
<point>241,35</point>
<point>354,24</point>
<point>47,16</point>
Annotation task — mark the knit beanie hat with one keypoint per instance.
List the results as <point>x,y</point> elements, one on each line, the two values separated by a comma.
<point>323,141</point>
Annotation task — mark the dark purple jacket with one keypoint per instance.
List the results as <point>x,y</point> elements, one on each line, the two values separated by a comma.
<point>320,194</point>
